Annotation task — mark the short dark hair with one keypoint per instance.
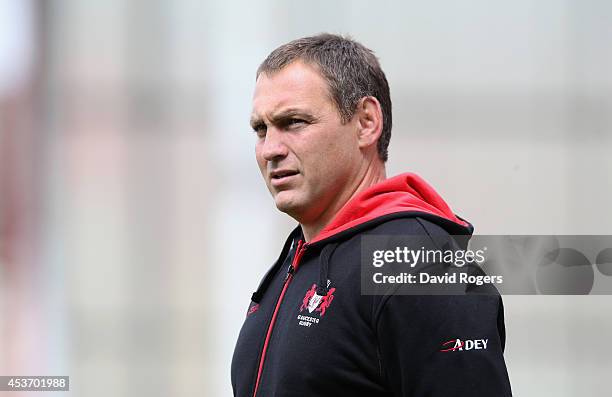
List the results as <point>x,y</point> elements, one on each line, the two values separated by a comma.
<point>351,70</point>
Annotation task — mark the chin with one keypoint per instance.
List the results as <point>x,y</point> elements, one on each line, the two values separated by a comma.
<point>287,202</point>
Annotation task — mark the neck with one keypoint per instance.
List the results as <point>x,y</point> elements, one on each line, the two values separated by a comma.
<point>374,174</point>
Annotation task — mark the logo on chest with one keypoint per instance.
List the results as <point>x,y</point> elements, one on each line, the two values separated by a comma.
<point>315,304</point>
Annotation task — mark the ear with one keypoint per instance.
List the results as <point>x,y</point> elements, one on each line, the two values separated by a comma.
<point>369,121</point>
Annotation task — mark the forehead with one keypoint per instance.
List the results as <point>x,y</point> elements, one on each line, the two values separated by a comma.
<point>297,85</point>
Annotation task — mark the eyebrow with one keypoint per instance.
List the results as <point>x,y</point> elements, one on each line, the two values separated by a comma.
<point>283,115</point>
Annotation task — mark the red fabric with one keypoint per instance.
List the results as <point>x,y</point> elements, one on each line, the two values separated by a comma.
<point>404,192</point>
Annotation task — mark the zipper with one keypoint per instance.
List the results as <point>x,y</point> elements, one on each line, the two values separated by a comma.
<point>301,248</point>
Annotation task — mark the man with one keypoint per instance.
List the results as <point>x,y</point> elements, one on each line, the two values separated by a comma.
<point>322,117</point>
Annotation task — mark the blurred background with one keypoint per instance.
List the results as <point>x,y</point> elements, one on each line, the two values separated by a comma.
<point>134,224</point>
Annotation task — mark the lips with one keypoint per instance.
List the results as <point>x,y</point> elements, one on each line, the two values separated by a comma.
<point>279,178</point>
<point>280,174</point>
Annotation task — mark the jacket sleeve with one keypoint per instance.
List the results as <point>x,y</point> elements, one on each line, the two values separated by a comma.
<point>443,345</point>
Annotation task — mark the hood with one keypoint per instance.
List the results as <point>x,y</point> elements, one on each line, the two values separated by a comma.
<point>405,195</point>
<point>394,196</point>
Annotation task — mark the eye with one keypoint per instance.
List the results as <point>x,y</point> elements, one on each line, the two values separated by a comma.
<point>294,123</point>
<point>260,130</point>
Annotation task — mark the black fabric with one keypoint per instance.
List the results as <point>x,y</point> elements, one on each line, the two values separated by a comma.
<point>360,345</point>
<point>265,283</point>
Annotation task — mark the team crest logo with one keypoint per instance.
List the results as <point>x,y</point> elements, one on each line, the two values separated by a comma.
<point>317,303</point>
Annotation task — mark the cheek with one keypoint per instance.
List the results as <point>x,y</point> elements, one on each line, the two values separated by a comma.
<point>329,158</point>
<point>338,149</point>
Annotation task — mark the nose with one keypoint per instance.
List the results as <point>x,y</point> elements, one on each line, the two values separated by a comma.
<point>273,147</point>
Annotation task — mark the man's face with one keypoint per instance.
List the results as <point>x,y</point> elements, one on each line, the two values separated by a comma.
<point>304,152</point>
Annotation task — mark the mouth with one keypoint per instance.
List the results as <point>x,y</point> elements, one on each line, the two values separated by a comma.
<point>280,177</point>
